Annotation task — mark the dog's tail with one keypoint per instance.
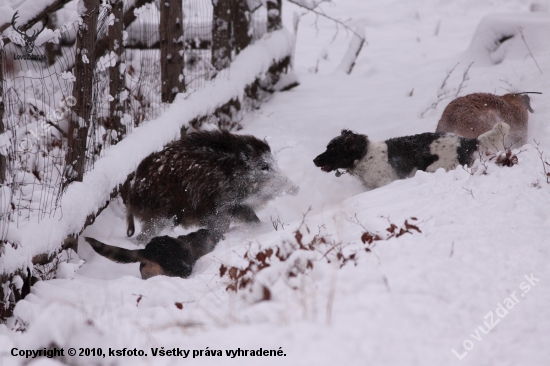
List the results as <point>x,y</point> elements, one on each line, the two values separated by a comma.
<point>130,227</point>
<point>494,138</point>
<point>116,254</point>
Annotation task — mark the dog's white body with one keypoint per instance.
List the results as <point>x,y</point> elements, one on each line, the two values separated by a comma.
<point>374,170</point>
<point>445,148</point>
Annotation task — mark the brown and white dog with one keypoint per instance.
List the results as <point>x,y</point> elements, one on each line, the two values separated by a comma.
<point>379,163</point>
<point>163,255</point>
<point>474,114</point>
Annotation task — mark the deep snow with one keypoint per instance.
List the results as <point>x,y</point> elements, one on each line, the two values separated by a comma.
<point>413,298</point>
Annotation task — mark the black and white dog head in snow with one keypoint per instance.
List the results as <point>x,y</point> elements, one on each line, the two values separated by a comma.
<point>379,163</point>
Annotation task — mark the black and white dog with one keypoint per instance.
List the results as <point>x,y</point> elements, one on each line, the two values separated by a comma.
<point>379,163</point>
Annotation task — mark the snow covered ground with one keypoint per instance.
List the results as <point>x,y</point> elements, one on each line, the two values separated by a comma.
<point>423,298</point>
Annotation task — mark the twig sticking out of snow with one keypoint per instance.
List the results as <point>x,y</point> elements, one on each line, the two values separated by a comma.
<point>330,299</point>
<point>437,27</point>
<point>447,77</point>
<point>465,78</point>
<point>545,164</point>
<point>355,46</point>
<point>277,223</point>
<point>314,8</point>
<point>444,92</point>
<point>471,193</point>
<point>528,48</point>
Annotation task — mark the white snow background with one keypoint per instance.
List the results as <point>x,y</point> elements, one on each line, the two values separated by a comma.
<point>413,298</point>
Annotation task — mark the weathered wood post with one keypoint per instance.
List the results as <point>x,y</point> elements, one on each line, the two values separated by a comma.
<point>116,73</point>
<point>171,49</point>
<point>274,17</point>
<point>221,34</point>
<point>82,92</point>
<point>51,49</point>
<point>241,25</point>
<point>2,111</point>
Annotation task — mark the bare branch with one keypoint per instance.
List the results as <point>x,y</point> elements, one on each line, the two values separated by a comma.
<point>448,76</point>
<point>545,163</point>
<point>465,78</point>
<point>469,190</point>
<point>314,9</point>
<point>528,48</point>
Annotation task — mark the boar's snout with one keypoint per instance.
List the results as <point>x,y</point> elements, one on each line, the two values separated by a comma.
<point>293,189</point>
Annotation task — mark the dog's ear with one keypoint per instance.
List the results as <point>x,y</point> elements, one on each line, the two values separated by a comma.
<point>356,145</point>
<point>346,133</point>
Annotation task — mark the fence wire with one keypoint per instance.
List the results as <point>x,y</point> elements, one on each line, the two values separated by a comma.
<point>36,90</point>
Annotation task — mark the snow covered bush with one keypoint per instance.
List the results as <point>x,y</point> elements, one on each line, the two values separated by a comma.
<point>296,255</point>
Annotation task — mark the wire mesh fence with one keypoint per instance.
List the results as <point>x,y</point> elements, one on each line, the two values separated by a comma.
<point>38,95</point>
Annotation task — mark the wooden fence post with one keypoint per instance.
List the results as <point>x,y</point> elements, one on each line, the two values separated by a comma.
<point>171,49</point>
<point>274,17</point>
<point>116,74</point>
<point>82,92</point>
<point>2,111</point>
<point>241,24</point>
<point>221,34</point>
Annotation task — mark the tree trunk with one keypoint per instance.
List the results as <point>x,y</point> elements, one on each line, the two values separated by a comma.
<point>116,74</point>
<point>221,34</point>
<point>241,24</point>
<point>274,20</point>
<point>83,93</point>
<point>171,49</point>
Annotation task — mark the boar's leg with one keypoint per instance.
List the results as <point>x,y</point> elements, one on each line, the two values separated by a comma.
<point>150,229</point>
<point>244,213</point>
<point>217,223</point>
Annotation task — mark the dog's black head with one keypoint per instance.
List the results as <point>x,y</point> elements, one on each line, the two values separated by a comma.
<point>342,151</point>
<point>166,256</point>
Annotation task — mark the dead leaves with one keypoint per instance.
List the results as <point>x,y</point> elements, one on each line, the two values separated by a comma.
<point>404,229</point>
<point>503,158</point>
<point>244,278</point>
